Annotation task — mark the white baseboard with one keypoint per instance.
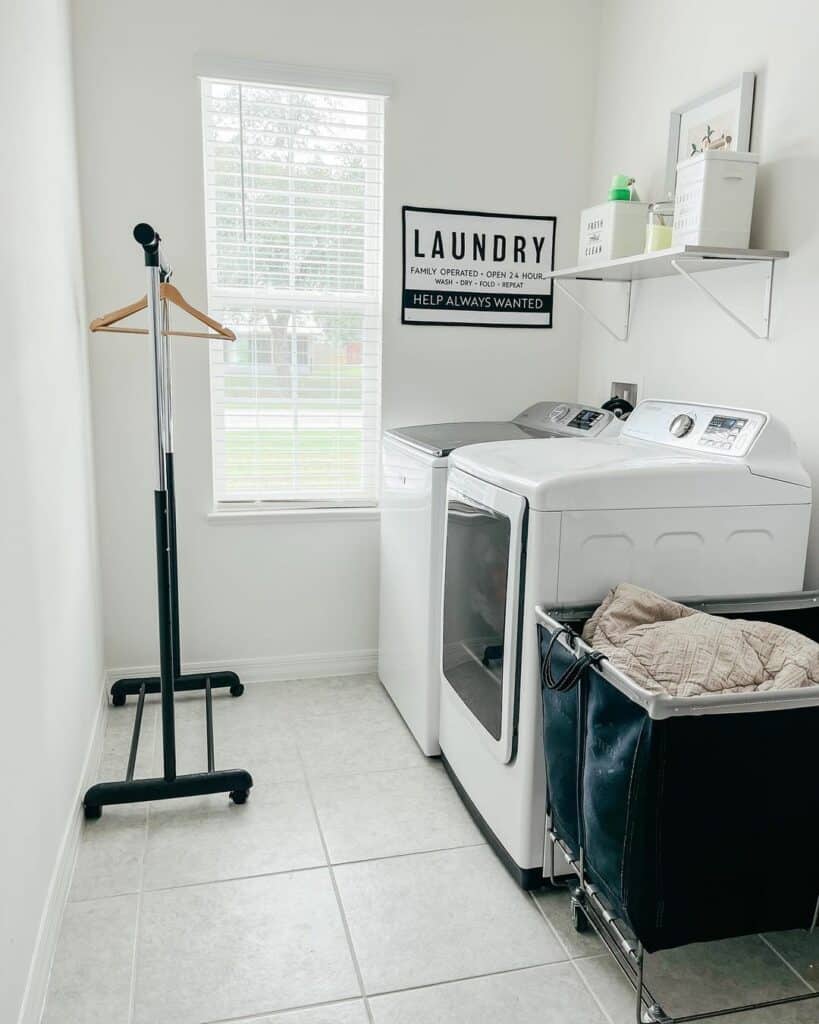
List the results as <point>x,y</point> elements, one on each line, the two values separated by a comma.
<point>278,667</point>
<point>52,915</point>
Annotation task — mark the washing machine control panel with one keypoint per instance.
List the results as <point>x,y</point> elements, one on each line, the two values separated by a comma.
<point>699,428</point>
<point>566,418</point>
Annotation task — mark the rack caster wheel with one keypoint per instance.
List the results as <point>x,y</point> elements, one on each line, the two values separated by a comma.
<point>580,922</point>
<point>118,699</point>
<point>236,690</point>
<point>92,811</point>
<point>239,796</point>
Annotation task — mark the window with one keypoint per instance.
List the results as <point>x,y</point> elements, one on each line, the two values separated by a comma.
<point>294,211</point>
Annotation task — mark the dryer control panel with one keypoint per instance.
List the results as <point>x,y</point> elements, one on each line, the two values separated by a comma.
<point>716,430</point>
<point>565,418</point>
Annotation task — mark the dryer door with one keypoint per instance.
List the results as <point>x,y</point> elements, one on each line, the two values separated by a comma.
<point>482,579</point>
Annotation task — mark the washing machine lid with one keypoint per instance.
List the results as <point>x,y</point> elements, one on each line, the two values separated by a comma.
<point>439,439</point>
<point>725,457</point>
<point>542,420</point>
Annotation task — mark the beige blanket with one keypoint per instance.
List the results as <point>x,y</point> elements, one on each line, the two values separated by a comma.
<point>668,648</point>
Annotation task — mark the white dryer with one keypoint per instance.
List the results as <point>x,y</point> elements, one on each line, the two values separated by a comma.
<point>413,515</point>
<point>687,500</point>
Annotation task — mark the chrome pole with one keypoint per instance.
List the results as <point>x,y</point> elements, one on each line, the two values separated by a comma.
<point>167,372</point>
<point>160,376</point>
<point>639,985</point>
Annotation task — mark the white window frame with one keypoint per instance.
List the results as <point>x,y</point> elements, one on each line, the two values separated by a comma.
<point>310,79</point>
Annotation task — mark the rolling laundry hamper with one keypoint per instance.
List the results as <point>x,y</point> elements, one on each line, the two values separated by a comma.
<point>668,808</point>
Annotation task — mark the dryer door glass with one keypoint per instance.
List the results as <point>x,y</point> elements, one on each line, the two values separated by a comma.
<point>475,584</point>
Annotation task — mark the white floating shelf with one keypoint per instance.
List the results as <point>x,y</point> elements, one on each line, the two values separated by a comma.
<point>682,260</point>
<point>661,264</point>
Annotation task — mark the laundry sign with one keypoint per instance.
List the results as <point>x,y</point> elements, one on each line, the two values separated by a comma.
<point>477,269</point>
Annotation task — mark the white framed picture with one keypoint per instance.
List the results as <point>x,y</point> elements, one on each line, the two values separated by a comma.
<point>721,119</point>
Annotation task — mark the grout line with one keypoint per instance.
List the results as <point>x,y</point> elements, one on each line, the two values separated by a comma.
<point>264,1015</point>
<point>334,882</point>
<point>408,853</point>
<point>572,960</point>
<point>787,963</point>
<point>289,871</point>
<point>210,881</point>
<point>316,776</point>
<point>395,991</point>
<point>140,893</point>
<point>429,764</point>
<point>470,977</point>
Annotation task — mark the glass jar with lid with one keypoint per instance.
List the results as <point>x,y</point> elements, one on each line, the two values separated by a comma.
<point>659,227</point>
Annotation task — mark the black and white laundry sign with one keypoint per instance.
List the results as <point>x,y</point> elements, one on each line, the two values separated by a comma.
<point>477,269</point>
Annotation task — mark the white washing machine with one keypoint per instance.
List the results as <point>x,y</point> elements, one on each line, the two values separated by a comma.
<point>413,516</point>
<point>688,500</point>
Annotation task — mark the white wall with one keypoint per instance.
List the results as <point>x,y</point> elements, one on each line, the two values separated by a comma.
<point>50,623</point>
<point>654,57</point>
<point>491,112</point>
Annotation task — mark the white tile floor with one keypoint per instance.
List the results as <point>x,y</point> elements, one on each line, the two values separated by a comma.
<point>352,888</point>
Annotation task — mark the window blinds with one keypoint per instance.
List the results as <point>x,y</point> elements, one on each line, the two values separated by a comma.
<point>294,210</point>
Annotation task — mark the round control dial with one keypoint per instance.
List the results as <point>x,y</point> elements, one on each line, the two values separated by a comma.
<point>681,425</point>
<point>558,413</point>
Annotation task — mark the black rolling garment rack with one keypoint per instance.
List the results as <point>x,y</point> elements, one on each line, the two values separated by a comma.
<point>237,782</point>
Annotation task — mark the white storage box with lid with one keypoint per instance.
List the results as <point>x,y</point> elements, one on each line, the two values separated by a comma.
<point>612,230</point>
<point>715,199</point>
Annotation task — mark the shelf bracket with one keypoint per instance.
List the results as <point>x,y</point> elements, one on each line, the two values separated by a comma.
<point>766,304</point>
<point>609,330</point>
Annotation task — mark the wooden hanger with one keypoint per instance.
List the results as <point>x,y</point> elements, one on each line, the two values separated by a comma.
<point>172,294</point>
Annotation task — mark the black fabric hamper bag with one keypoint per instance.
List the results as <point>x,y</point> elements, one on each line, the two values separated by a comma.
<point>698,817</point>
<point>564,720</point>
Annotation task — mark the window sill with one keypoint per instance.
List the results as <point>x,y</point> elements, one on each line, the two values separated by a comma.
<point>294,515</point>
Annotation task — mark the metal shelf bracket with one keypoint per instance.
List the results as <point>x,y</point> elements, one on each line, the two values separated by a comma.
<point>766,303</point>
<point>609,330</point>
